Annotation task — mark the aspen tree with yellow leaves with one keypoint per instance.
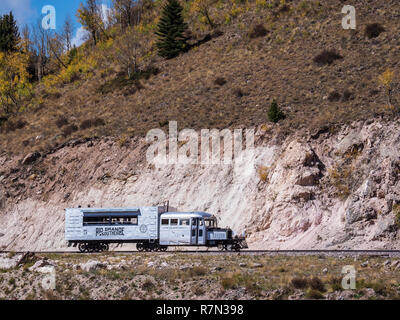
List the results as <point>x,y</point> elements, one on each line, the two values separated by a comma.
<point>386,80</point>
<point>90,17</point>
<point>14,80</point>
<point>202,7</point>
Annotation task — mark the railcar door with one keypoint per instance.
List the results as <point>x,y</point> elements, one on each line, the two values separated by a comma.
<point>201,232</point>
<point>194,235</point>
<point>198,235</point>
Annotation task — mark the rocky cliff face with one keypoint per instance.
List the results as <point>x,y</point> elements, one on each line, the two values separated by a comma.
<point>327,189</point>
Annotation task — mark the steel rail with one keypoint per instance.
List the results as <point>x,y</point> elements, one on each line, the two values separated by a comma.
<point>286,251</point>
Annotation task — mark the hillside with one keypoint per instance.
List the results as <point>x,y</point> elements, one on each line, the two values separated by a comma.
<point>326,176</point>
<point>328,191</point>
<point>229,81</point>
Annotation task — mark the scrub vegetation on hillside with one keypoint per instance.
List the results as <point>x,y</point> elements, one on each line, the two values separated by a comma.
<point>203,63</point>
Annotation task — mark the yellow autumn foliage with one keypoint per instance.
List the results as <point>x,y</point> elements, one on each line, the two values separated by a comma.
<point>14,80</point>
<point>202,8</point>
<point>386,78</point>
<point>81,67</point>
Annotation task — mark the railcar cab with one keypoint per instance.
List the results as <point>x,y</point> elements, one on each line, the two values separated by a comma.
<point>185,228</point>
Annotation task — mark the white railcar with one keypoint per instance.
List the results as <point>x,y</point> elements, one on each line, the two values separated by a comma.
<point>184,228</point>
<point>151,228</point>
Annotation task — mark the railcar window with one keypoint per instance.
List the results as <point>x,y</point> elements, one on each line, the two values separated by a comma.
<point>165,222</point>
<point>201,222</point>
<point>95,220</point>
<point>184,222</point>
<point>200,232</point>
<point>210,223</point>
<point>125,220</point>
<point>174,222</point>
<point>194,222</point>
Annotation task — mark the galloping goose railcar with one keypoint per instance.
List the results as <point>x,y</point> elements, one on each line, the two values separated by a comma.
<point>151,228</point>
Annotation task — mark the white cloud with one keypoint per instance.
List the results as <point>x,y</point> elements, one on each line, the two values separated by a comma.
<point>80,37</point>
<point>105,12</point>
<point>21,9</point>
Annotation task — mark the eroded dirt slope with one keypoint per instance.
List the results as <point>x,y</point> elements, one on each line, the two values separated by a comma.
<point>325,190</point>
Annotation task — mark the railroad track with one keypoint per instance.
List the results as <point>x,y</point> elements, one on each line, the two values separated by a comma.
<point>251,252</point>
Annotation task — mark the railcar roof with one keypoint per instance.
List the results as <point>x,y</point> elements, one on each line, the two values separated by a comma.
<point>194,214</point>
<point>106,209</point>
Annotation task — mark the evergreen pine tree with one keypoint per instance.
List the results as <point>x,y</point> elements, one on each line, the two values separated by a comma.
<point>170,31</point>
<point>9,34</point>
<point>275,113</point>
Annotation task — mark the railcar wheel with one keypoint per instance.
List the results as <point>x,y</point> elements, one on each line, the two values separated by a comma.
<point>140,247</point>
<point>222,247</point>
<point>105,247</point>
<point>235,247</point>
<point>163,248</point>
<point>82,247</point>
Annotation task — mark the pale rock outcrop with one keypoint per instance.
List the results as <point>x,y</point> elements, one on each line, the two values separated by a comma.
<point>92,265</point>
<point>9,262</point>
<point>332,189</point>
<point>41,266</point>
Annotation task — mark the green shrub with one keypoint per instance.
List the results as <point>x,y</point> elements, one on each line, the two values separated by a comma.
<point>95,122</point>
<point>61,122</point>
<point>258,31</point>
<point>220,81</point>
<point>148,285</point>
<point>314,294</point>
<point>197,271</point>
<point>336,284</point>
<point>334,96</point>
<point>69,130</point>
<point>378,287</point>
<point>72,55</point>
<point>299,283</point>
<point>327,57</point>
<point>230,281</point>
<point>10,126</point>
<point>198,290</point>
<point>373,30</point>
<point>317,284</point>
<point>275,113</point>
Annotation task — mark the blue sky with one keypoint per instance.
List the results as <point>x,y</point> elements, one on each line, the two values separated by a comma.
<point>29,12</point>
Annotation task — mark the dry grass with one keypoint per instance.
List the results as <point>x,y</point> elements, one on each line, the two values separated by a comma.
<point>263,173</point>
<point>278,65</point>
<point>341,178</point>
<point>279,278</point>
<point>396,211</point>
